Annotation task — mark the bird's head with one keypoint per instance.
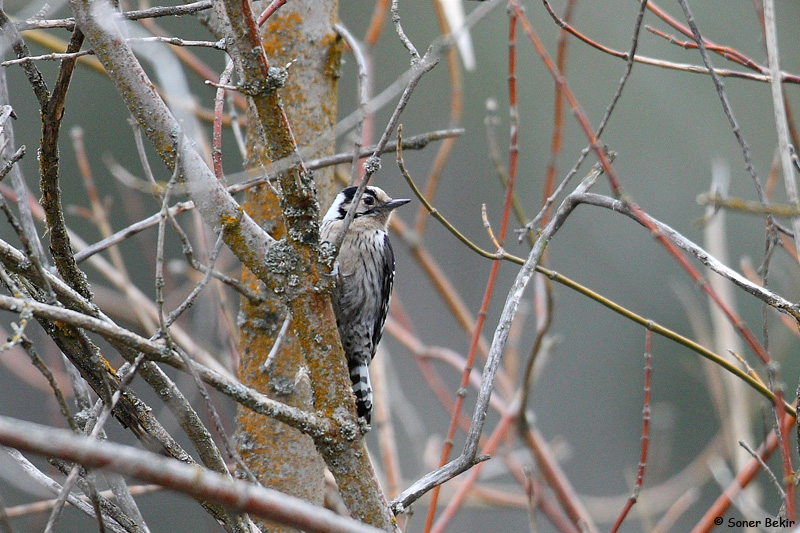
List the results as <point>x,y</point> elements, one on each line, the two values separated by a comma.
<point>374,204</point>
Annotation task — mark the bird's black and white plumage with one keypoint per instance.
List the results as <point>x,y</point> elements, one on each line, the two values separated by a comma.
<point>364,281</point>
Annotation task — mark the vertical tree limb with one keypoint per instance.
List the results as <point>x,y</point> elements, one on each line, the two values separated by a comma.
<point>313,321</point>
<point>291,35</point>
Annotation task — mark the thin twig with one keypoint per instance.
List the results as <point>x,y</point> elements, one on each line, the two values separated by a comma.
<point>557,137</point>
<point>51,380</point>
<point>189,300</point>
<point>276,346</point>
<point>216,150</point>
<point>398,27</point>
<point>44,505</point>
<point>728,53</point>
<point>175,41</point>
<point>46,57</point>
<point>629,60</point>
<point>766,468</point>
<point>723,51</point>
<point>747,206</point>
<point>159,271</point>
<point>153,12</point>
<point>726,105</point>
<point>362,84</point>
<point>637,487</point>
<point>373,162</point>
<point>16,156</point>
<point>416,142</point>
<point>269,11</point>
<point>51,485</point>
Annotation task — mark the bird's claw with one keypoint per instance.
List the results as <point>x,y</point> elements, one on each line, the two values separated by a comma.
<point>334,271</point>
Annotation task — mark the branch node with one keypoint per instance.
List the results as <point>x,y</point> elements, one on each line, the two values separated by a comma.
<point>276,79</point>
<point>372,164</point>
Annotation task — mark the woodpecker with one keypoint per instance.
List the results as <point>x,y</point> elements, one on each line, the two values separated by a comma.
<point>364,279</point>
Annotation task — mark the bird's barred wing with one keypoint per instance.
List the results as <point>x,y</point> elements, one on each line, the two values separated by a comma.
<point>387,279</point>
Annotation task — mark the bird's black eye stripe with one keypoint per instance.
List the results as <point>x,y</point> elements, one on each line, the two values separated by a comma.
<point>348,194</point>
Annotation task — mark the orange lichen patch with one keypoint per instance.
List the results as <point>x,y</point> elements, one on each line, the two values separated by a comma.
<point>229,222</point>
<point>335,47</point>
<point>65,328</point>
<point>108,366</point>
<point>252,283</point>
<point>280,33</point>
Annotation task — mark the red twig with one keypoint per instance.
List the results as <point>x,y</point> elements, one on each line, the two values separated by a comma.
<point>727,53</point>
<point>448,444</point>
<point>558,113</point>
<point>615,186</point>
<point>269,11</point>
<point>216,136</point>
<point>377,22</point>
<point>723,51</point>
<point>553,474</point>
<point>743,479</point>
<point>637,487</point>
<point>761,76</point>
<point>487,295</point>
<point>506,423</point>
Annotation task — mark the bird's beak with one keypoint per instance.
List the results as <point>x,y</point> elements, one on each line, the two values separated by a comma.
<point>394,204</point>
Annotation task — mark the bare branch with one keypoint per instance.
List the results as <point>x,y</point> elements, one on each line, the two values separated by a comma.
<point>153,12</point>
<point>468,457</point>
<point>155,350</point>
<point>416,142</point>
<point>241,233</point>
<point>779,109</point>
<point>236,495</point>
<point>768,297</point>
<point>363,80</point>
<point>373,163</point>
<point>51,485</point>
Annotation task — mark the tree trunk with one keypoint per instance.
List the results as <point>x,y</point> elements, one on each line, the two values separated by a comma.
<point>281,457</point>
